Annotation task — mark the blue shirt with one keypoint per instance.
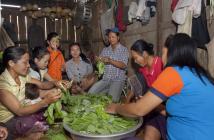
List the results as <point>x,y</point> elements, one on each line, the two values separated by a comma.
<point>189,106</point>
<point>119,54</point>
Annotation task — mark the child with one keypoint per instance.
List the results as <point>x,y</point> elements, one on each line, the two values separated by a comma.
<point>31,93</point>
<point>56,63</point>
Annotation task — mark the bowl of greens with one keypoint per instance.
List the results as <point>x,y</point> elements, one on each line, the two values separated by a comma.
<point>86,119</point>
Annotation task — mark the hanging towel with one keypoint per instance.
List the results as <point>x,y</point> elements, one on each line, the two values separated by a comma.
<point>187,26</point>
<point>141,8</point>
<point>182,7</point>
<point>132,11</point>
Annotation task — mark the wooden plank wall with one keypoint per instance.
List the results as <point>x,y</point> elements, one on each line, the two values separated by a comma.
<point>61,26</point>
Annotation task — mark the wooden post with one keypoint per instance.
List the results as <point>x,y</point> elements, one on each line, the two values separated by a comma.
<point>159,26</point>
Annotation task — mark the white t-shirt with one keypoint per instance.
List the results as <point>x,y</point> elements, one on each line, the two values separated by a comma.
<point>34,74</point>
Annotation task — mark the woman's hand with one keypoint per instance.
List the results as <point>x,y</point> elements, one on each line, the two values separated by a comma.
<point>63,84</point>
<point>52,96</point>
<point>106,60</point>
<point>112,108</point>
<point>3,133</point>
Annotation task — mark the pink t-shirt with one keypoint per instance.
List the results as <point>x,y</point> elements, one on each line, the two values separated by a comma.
<point>152,74</point>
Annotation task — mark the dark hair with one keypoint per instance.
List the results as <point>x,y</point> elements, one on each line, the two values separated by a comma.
<point>12,53</point>
<point>140,46</point>
<point>168,40</point>
<point>31,91</point>
<point>117,33</point>
<point>84,58</point>
<point>182,51</point>
<point>38,52</point>
<point>50,36</point>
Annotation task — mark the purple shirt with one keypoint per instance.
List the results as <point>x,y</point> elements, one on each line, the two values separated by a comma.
<point>119,54</point>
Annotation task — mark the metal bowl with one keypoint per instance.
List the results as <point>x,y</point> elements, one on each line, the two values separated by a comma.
<point>79,136</point>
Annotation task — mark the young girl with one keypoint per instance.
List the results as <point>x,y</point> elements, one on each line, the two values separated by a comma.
<point>57,62</point>
<point>78,67</point>
<point>39,64</point>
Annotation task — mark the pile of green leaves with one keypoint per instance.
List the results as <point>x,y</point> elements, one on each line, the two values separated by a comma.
<point>86,114</point>
<point>100,68</point>
<point>55,111</point>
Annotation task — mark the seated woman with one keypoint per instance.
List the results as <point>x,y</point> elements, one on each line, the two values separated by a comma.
<point>188,90</point>
<point>39,63</point>
<point>78,67</point>
<point>18,118</point>
<point>150,67</point>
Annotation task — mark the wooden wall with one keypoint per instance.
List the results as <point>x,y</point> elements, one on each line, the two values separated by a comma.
<point>62,26</point>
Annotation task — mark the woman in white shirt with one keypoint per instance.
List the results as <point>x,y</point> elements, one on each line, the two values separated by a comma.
<point>39,63</point>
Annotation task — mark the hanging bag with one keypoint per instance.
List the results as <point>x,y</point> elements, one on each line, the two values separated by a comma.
<point>107,21</point>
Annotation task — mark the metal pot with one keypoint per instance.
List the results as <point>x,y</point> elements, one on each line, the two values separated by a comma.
<point>117,136</point>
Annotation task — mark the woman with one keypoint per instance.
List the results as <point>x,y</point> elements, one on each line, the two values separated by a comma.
<point>115,58</point>
<point>57,62</point>
<point>78,68</point>
<point>20,119</point>
<point>39,63</point>
<point>188,89</point>
<point>150,67</point>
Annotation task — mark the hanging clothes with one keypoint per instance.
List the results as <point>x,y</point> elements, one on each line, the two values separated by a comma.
<point>132,11</point>
<point>182,8</point>
<point>126,15</point>
<point>119,16</point>
<point>173,4</point>
<point>152,5</point>
<point>199,28</point>
<point>107,22</point>
<point>145,18</point>
<point>141,8</point>
<point>187,26</point>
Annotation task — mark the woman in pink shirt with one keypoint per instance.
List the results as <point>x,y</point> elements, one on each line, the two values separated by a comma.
<point>150,67</point>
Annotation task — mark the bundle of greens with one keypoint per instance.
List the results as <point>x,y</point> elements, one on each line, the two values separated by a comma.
<point>100,68</point>
<point>86,114</point>
<point>54,110</point>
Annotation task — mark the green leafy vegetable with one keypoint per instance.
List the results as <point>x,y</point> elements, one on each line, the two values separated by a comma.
<point>55,111</point>
<point>86,114</point>
<point>100,67</point>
